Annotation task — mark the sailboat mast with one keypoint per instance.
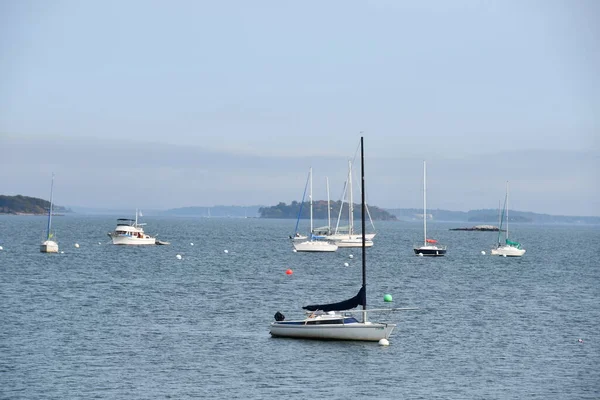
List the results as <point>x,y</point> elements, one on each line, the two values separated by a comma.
<point>424,204</point>
<point>328,208</point>
<point>499,222</point>
<point>311,204</point>
<point>350,201</point>
<point>362,221</point>
<point>50,209</point>
<point>506,210</point>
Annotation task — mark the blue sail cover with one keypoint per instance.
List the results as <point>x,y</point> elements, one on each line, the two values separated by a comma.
<point>358,300</point>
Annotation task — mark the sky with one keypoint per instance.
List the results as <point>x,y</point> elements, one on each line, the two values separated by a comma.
<point>154,104</point>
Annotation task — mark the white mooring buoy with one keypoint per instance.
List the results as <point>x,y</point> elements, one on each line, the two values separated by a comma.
<point>225,251</point>
<point>178,256</point>
<point>384,342</point>
<point>483,252</point>
<point>350,256</point>
<point>346,264</point>
<point>77,245</point>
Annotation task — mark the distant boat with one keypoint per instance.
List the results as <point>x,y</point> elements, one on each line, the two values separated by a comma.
<point>334,321</point>
<point>50,246</point>
<point>509,248</point>
<point>130,232</point>
<point>346,236</point>
<point>430,247</point>
<point>314,243</point>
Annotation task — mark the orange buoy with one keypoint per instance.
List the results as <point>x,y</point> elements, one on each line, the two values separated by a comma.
<point>289,271</point>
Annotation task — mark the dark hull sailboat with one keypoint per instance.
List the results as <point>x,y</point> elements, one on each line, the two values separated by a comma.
<point>333,321</point>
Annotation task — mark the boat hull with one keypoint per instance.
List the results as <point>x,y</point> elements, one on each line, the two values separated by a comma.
<point>132,241</point>
<point>372,332</point>
<point>432,251</point>
<point>353,243</point>
<point>49,246</point>
<point>315,246</point>
<point>507,251</point>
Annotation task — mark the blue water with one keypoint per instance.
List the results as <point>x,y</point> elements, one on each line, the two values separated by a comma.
<point>103,321</point>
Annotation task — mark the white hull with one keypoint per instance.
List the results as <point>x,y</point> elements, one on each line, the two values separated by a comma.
<point>49,246</point>
<point>370,331</point>
<point>355,242</point>
<point>508,251</point>
<point>132,241</point>
<point>344,236</point>
<point>315,245</point>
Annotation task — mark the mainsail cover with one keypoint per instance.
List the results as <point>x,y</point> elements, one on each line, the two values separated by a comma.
<point>358,300</point>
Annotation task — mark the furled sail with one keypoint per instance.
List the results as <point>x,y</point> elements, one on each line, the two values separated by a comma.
<point>358,300</point>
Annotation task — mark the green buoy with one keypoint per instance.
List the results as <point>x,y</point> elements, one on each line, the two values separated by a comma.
<point>387,298</point>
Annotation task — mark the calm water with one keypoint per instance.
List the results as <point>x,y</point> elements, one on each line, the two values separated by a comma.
<point>103,321</point>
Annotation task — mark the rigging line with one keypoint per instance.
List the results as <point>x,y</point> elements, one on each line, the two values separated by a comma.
<point>301,204</point>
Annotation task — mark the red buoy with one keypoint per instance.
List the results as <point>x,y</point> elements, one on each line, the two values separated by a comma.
<point>289,271</point>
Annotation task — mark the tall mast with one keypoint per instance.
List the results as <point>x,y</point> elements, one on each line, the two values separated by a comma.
<point>350,201</point>
<point>328,208</point>
<point>310,196</point>
<point>50,209</point>
<point>506,210</point>
<point>424,204</point>
<point>362,221</point>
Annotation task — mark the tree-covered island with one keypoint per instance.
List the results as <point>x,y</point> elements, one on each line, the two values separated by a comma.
<point>283,210</point>
<point>27,205</point>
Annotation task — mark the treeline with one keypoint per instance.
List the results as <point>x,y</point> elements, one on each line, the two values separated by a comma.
<point>490,216</point>
<point>282,210</point>
<point>27,205</point>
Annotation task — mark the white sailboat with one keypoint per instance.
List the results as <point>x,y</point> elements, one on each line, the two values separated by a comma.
<point>350,238</point>
<point>430,247</point>
<point>50,246</point>
<point>334,321</point>
<point>509,248</point>
<point>314,243</point>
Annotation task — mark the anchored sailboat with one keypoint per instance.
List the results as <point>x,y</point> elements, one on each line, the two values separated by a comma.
<point>50,246</point>
<point>430,247</point>
<point>314,243</point>
<point>333,321</point>
<point>509,248</point>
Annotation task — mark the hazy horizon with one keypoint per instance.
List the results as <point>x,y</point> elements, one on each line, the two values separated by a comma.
<point>151,105</point>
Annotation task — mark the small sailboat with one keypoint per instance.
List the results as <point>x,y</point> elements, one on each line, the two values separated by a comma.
<point>347,237</point>
<point>430,247</point>
<point>509,248</point>
<point>314,243</point>
<point>334,321</point>
<point>49,245</point>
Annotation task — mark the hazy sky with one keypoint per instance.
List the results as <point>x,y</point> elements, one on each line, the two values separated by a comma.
<point>156,104</point>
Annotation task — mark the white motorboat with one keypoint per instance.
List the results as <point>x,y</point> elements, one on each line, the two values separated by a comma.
<point>430,247</point>
<point>130,232</point>
<point>49,245</point>
<point>313,243</point>
<point>508,248</point>
<point>334,321</point>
